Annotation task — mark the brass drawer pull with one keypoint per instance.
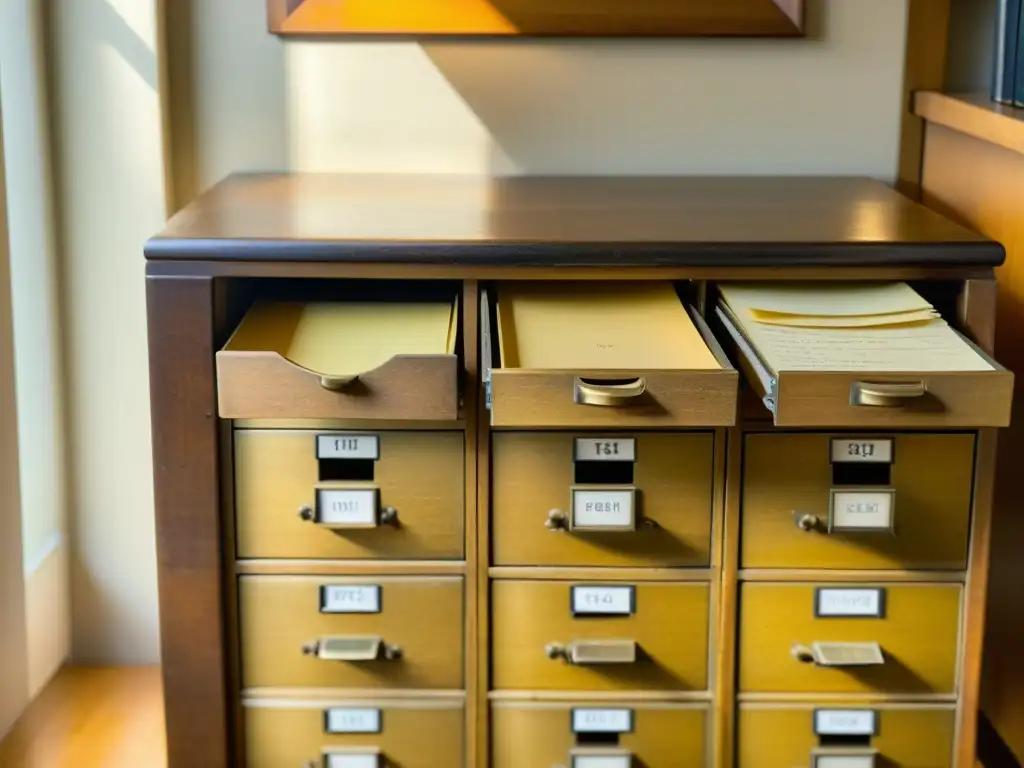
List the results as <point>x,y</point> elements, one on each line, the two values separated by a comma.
<point>839,654</point>
<point>386,516</point>
<point>359,648</point>
<point>337,383</point>
<point>894,395</point>
<point>585,652</point>
<point>590,392</point>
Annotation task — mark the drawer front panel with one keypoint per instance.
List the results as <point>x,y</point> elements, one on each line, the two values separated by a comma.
<point>419,474</point>
<point>411,734</point>
<point>789,477</point>
<point>533,473</point>
<point>669,627</point>
<point>281,620</point>
<point>918,637</point>
<point>541,734</point>
<point>782,736</point>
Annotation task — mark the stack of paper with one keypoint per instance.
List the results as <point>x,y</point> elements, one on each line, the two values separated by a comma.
<point>882,327</point>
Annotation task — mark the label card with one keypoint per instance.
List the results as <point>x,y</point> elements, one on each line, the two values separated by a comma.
<point>347,508</point>
<point>604,449</point>
<point>845,722</point>
<point>352,760</point>
<point>586,720</point>
<point>602,761</point>
<point>350,598</point>
<point>352,720</point>
<point>603,510</point>
<point>347,447</point>
<point>862,510</point>
<point>843,760</point>
<point>830,602</point>
<point>603,601</point>
<point>852,449</point>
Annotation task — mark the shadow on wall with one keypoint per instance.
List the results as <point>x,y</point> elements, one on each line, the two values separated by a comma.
<point>631,106</point>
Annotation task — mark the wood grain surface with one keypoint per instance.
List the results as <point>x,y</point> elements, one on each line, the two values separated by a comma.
<point>536,18</point>
<point>576,222</point>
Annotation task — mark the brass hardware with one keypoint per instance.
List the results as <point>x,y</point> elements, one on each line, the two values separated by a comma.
<point>586,652</point>
<point>580,757</point>
<point>557,520</point>
<point>337,383</point>
<point>826,757</point>
<point>839,654</point>
<point>388,516</point>
<point>808,522</point>
<point>352,648</point>
<point>893,395</point>
<point>307,513</point>
<point>607,395</point>
<point>802,653</point>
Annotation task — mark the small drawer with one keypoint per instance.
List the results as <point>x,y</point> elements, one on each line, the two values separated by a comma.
<point>602,354</point>
<point>849,501</point>
<point>544,483</point>
<point>605,734</point>
<point>837,734</point>
<point>392,732</point>
<point>849,638</point>
<point>583,636</point>
<point>342,360</point>
<point>926,395</point>
<point>408,502</point>
<point>346,632</point>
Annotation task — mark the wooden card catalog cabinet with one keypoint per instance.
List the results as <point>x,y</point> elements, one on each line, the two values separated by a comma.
<point>596,18</point>
<point>457,473</point>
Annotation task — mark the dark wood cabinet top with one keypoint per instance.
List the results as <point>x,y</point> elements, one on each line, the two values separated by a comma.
<point>566,221</point>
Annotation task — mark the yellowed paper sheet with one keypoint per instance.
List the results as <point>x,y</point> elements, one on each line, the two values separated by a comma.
<point>599,326</point>
<point>816,299</point>
<point>849,321</point>
<point>931,346</point>
<point>346,338</point>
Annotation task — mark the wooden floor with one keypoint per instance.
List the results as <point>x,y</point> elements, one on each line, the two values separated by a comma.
<point>92,717</point>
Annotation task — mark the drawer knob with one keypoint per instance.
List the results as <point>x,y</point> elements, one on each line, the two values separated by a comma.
<point>891,395</point>
<point>608,393</point>
<point>307,513</point>
<point>557,520</point>
<point>594,652</point>
<point>369,648</point>
<point>808,522</point>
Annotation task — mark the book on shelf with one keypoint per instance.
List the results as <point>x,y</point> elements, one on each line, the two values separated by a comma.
<point>1008,67</point>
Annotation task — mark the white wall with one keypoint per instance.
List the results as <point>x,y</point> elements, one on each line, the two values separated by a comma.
<point>830,104</point>
<point>38,364</point>
<point>110,183</point>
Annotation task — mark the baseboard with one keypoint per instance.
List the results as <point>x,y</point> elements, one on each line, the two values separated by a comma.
<point>993,752</point>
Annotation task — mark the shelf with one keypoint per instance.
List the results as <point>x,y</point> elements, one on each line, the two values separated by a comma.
<point>975,115</point>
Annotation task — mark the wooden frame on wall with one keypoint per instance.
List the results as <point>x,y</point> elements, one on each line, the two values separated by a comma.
<point>538,18</point>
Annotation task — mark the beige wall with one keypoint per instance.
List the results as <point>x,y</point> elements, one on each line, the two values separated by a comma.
<point>826,105</point>
<point>830,104</point>
<point>37,350</point>
<point>110,191</point>
<point>13,639</point>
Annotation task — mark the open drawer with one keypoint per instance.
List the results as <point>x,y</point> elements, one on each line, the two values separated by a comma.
<point>345,360</point>
<point>602,354</point>
<point>924,377</point>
